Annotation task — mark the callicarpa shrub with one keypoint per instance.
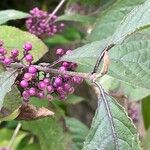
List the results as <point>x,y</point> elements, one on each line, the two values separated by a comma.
<point>113,58</point>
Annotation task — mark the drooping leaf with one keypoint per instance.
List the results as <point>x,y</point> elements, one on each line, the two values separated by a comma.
<point>146,111</point>
<point>134,93</point>
<point>15,38</point>
<point>109,19</point>
<point>49,133</point>
<point>111,128</point>
<point>78,132</point>
<point>7,79</point>
<point>77,18</point>
<point>6,15</point>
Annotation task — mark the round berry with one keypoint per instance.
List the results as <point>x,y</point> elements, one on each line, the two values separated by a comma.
<point>50,89</point>
<point>2,58</point>
<point>7,61</point>
<point>27,46</point>
<point>32,91</point>
<point>32,69</point>
<point>25,96</point>
<point>42,85</point>
<point>27,76</point>
<point>41,95</point>
<point>71,90</point>
<point>60,52</point>
<point>58,81</point>
<point>68,52</point>
<point>24,83</point>
<point>66,87</point>
<point>2,51</point>
<point>65,64</point>
<point>62,68</point>
<point>46,81</point>
<point>29,58</point>
<point>14,53</point>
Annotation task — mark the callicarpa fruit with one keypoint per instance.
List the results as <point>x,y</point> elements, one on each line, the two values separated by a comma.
<point>45,86</point>
<point>42,23</point>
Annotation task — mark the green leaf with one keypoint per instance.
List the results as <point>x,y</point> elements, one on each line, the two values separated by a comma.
<point>73,99</point>
<point>11,99</point>
<point>78,132</point>
<point>7,79</point>
<point>6,15</point>
<point>109,19</point>
<point>134,70</point>
<point>138,18</point>
<point>146,143</point>
<point>134,93</point>
<point>146,111</point>
<point>111,128</point>
<point>77,18</point>
<point>15,38</point>
<point>6,135</point>
<point>49,133</point>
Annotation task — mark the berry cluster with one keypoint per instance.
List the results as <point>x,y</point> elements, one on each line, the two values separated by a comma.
<point>42,23</point>
<point>133,112</point>
<point>49,84</point>
<point>35,82</point>
<point>7,59</point>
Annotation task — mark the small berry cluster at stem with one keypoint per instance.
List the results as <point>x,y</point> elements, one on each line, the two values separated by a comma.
<point>34,82</point>
<point>133,112</point>
<point>7,59</point>
<point>42,23</point>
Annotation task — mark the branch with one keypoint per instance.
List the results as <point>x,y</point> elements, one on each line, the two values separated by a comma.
<point>54,71</point>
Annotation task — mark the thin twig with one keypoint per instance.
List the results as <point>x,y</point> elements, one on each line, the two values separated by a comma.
<point>55,10</point>
<point>14,136</point>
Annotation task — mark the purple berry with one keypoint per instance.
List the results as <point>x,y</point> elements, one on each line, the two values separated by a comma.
<point>14,53</point>
<point>2,58</point>
<point>68,52</point>
<point>66,87</point>
<point>29,58</point>
<point>7,61</point>
<point>25,96</point>
<point>27,76</point>
<point>50,89</point>
<point>2,51</point>
<point>24,83</point>
<point>41,95</point>
<point>32,69</point>
<point>77,80</point>
<point>58,81</point>
<point>27,46</point>
<point>32,91</point>
<point>71,90</point>
<point>49,97</point>
<point>62,68</point>
<point>46,81</point>
<point>60,52</point>
<point>62,97</point>
<point>65,64</point>
<point>42,85</point>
